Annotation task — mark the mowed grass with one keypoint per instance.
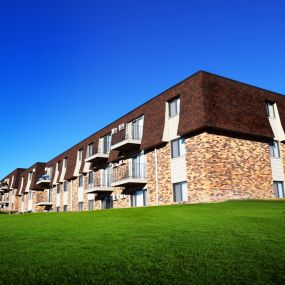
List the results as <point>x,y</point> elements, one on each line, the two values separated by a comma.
<point>236,242</point>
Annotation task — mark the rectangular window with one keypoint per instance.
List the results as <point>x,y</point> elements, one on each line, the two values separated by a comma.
<point>174,107</point>
<point>30,176</point>
<point>180,192</point>
<point>65,186</point>
<point>107,202</point>
<point>58,189</point>
<point>80,206</point>
<point>65,162</point>
<point>80,155</point>
<point>90,177</point>
<point>274,149</point>
<point>139,198</point>
<point>106,144</point>
<point>58,209</point>
<point>89,150</point>
<point>80,181</point>
<point>177,147</point>
<point>30,195</point>
<point>50,195</point>
<point>65,208</point>
<point>106,177</point>
<point>90,205</point>
<point>270,109</point>
<point>279,189</point>
<point>137,128</point>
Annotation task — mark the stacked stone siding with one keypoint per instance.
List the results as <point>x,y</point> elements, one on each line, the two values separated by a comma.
<point>222,168</point>
<point>164,176</point>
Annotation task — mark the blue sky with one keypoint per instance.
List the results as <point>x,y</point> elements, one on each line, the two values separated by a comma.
<point>68,68</point>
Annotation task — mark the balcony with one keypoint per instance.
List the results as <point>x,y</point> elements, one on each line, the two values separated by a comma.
<point>127,139</point>
<point>44,181</point>
<point>129,175</point>
<point>101,155</point>
<point>4,187</point>
<point>102,185</point>
<point>44,204</point>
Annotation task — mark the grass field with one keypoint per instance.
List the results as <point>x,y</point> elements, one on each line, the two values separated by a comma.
<point>241,242</point>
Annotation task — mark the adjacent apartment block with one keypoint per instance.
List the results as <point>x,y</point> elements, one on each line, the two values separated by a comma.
<point>208,138</point>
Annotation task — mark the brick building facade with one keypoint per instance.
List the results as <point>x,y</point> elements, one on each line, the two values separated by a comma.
<point>208,138</point>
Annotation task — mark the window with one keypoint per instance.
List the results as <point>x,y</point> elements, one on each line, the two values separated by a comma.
<point>50,195</point>
<point>80,155</point>
<point>106,144</point>
<point>107,202</point>
<point>30,176</point>
<point>139,198</point>
<point>274,149</point>
<point>180,192</point>
<point>89,150</point>
<point>80,181</point>
<point>65,186</point>
<point>270,109</point>
<point>106,177</point>
<point>177,147</point>
<point>279,189</point>
<point>90,205</point>
<point>65,208</point>
<point>30,195</point>
<point>174,107</point>
<point>90,177</point>
<point>137,128</point>
<point>80,206</point>
<point>65,162</point>
<point>58,209</point>
<point>58,189</point>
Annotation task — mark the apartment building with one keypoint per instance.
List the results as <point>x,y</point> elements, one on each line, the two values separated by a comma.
<point>208,138</point>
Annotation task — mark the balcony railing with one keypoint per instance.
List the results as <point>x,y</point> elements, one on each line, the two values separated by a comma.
<point>4,187</point>
<point>44,180</point>
<point>102,153</point>
<point>128,138</point>
<point>130,174</point>
<point>102,184</point>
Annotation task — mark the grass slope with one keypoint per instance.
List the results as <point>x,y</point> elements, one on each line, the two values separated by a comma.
<point>237,242</point>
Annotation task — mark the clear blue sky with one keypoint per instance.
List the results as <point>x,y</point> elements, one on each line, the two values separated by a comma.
<point>68,68</point>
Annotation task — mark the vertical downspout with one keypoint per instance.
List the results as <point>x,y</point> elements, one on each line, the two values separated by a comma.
<point>156,176</point>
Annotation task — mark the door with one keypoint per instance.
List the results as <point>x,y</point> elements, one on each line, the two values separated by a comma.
<point>107,202</point>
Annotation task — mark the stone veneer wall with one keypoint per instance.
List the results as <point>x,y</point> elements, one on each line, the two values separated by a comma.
<point>17,203</point>
<point>164,176</point>
<point>222,168</point>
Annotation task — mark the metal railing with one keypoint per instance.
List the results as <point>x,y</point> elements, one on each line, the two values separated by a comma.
<point>105,180</point>
<point>104,147</point>
<point>44,177</point>
<point>132,131</point>
<point>129,170</point>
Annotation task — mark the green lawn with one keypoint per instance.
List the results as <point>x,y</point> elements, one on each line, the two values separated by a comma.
<point>241,242</point>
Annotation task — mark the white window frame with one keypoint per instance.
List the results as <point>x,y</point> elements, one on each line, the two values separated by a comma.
<point>274,148</point>
<point>279,189</point>
<point>270,107</point>
<point>176,103</point>
<point>180,142</point>
<point>183,188</point>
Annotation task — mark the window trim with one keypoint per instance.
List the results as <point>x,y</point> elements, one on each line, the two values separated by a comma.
<point>181,189</point>
<point>180,143</point>
<point>273,109</point>
<point>175,100</point>
<point>272,149</point>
